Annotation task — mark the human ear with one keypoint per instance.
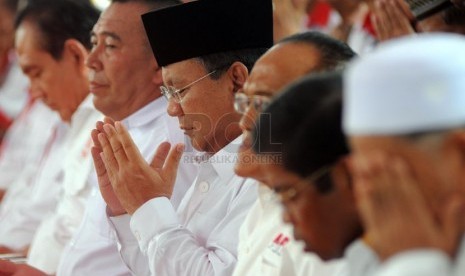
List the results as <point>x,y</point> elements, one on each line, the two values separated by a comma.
<point>238,73</point>
<point>76,51</point>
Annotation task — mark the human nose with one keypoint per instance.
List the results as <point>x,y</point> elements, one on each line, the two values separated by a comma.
<point>247,121</point>
<point>93,60</point>
<point>36,93</point>
<point>174,108</point>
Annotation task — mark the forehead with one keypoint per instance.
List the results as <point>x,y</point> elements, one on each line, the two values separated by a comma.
<point>181,71</point>
<point>27,39</point>
<point>276,175</point>
<point>281,65</point>
<point>122,19</point>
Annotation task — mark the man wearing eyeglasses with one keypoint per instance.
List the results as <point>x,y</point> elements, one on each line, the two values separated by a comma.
<point>205,54</point>
<point>265,242</point>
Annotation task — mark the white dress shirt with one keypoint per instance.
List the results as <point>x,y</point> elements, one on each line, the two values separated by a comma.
<point>13,91</point>
<point>57,228</point>
<point>267,247</point>
<point>30,201</point>
<point>93,249</point>
<point>201,237</point>
<point>25,142</point>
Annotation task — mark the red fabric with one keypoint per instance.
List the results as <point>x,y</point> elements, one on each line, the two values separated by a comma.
<point>319,16</point>
<point>5,121</point>
<point>368,26</point>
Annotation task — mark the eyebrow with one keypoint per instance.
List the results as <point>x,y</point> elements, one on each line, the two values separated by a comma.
<point>106,33</point>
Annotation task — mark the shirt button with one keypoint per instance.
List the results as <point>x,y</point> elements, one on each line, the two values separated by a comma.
<point>204,187</point>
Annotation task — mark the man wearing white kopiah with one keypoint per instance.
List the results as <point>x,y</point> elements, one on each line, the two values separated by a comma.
<point>206,52</point>
<point>405,116</point>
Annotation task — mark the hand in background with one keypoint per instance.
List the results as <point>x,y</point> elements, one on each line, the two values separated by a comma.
<point>395,213</point>
<point>392,19</point>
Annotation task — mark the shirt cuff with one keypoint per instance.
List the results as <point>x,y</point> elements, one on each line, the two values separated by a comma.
<point>433,262</point>
<point>121,227</point>
<point>152,218</point>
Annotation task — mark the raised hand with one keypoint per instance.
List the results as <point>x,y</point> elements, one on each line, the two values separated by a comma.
<point>134,181</point>
<point>392,19</point>
<point>106,189</point>
<point>395,213</point>
<point>288,16</point>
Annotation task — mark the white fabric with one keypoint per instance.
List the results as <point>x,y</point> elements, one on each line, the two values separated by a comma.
<point>31,200</point>
<point>424,262</point>
<point>201,237</point>
<point>25,142</point>
<point>267,247</point>
<point>57,228</point>
<point>93,249</point>
<point>407,85</point>
<point>13,91</point>
<point>361,259</point>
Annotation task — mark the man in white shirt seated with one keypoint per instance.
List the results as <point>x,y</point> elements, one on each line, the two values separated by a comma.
<point>266,242</point>
<point>205,51</point>
<point>53,59</point>
<point>405,118</point>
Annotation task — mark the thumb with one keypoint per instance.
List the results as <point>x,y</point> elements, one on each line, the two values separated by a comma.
<point>172,162</point>
<point>160,156</point>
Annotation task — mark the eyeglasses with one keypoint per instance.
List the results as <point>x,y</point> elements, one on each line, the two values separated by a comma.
<point>242,102</point>
<point>169,92</point>
<point>289,194</point>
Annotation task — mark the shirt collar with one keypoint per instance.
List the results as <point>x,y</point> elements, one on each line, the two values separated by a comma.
<point>223,161</point>
<point>146,114</point>
<point>83,109</point>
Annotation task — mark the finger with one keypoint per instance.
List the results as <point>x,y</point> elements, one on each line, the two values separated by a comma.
<point>366,206</point>
<point>160,155</point>
<point>381,19</point>
<point>404,7</point>
<point>452,224</point>
<point>130,148</point>
<point>400,22</point>
<point>99,126</point>
<point>94,135</point>
<point>111,171</point>
<point>170,169</point>
<point>108,120</point>
<point>98,162</point>
<point>111,165</point>
<point>115,143</point>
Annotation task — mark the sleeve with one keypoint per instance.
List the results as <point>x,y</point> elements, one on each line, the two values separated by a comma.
<point>171,249</point>
<point>425,262</point>
<point>20,222</point>
<point>128,246</point>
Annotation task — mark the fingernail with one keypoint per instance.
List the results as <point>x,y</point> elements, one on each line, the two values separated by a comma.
<point>180,148</point>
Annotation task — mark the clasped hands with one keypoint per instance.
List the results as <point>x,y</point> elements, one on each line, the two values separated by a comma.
<point>126,180</point>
